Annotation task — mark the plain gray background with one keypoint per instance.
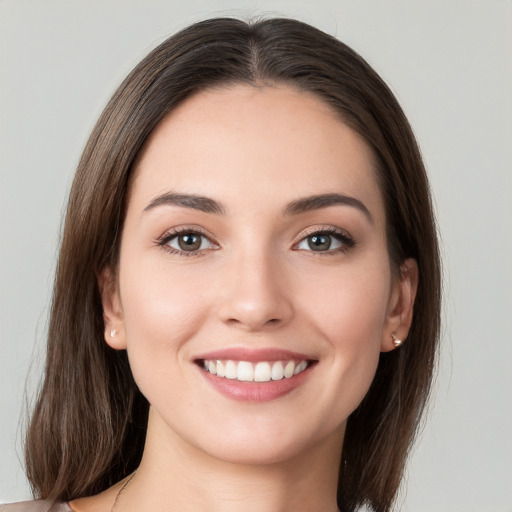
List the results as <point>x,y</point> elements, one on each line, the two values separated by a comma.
<point>449,63</point>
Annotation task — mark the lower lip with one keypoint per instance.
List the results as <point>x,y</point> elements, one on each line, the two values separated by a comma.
<point>255,391</point>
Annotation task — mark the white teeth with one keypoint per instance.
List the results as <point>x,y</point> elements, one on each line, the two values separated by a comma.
<point>264,371</point>
<point>277,371</point>
<point>300,367</point>
<point>245,371</point>
<point>221,371</point>
<point>231,370</point>
<point>289,369</point>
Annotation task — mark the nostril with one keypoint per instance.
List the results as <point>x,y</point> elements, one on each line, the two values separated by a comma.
<point>254,310</point>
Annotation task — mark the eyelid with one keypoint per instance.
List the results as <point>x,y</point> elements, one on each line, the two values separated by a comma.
<point>166,237</point>
<point>342,235</point>
<point>348,242</point>
<point>322,228</point>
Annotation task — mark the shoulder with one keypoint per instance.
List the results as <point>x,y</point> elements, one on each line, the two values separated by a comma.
<point>36,506</point>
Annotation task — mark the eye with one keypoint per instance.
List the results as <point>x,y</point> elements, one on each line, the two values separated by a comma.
<point>187,242</point>
<point>326,241</point>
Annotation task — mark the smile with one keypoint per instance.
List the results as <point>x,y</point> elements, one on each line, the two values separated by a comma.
<point>262,371</point>
<point>255,375</point>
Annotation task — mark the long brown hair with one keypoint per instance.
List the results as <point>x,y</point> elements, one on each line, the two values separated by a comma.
<point>88,427</point>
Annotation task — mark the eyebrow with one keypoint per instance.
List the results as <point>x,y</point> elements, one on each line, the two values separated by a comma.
<point>320,201</point>
<point>195,202</point>
<point>302,205</point>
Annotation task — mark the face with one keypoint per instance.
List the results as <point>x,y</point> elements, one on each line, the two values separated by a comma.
<point>254,290</point>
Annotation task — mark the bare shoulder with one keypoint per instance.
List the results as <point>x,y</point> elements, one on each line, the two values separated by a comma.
<point>36,506</point>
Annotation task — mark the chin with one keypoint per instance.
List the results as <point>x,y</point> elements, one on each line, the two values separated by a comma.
<point>255,453</point>
<point>264,442</point>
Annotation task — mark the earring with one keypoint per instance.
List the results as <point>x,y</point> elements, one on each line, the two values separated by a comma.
<point>113,332</point>
<point>396,341</point>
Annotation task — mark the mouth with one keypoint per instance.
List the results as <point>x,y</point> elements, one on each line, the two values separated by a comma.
<point>262,371</point>
<point>255,375</point>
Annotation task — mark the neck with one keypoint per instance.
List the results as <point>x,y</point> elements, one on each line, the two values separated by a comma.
<point>174,475</point>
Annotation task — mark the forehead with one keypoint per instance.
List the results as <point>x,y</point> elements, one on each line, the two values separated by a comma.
<point>248,145</point>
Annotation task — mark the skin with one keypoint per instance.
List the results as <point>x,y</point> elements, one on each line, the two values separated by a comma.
<point>256,283</point>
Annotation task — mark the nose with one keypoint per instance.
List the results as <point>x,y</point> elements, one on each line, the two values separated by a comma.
<point>255,295</point>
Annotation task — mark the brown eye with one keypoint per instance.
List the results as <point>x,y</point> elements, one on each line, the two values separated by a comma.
<point>189,242</point>
<point>319,242</point>
<point>330,242</point>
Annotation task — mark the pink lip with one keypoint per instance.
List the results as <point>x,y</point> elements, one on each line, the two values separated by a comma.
<point>255,391</point>
<point>253,355</point>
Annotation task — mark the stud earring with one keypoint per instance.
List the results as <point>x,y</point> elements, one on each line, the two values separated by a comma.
<point>113,332</point>
<point>396,341</point>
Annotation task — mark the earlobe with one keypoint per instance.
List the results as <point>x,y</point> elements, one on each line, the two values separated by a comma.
<point>401,306</point>
<point>112,310</point>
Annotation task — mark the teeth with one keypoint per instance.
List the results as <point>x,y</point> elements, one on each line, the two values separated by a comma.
<point>264,371</point>
<point>300,367</point>
<point>289,369</point>
<point>277,371</point>
<point>245,371</point>
<point>231,370</point>
<point>221,371</point>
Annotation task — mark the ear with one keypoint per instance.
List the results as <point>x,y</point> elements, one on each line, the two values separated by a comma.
<point>401,304</point>
<point>114,331</point>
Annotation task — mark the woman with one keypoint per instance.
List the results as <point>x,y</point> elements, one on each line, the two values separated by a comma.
<point>246,304</point>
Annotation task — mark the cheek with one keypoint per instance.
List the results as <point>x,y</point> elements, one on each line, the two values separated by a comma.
<point>348,304</point>
<point>349,311</point>
<point>161,313</point>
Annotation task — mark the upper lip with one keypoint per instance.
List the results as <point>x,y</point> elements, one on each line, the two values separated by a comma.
<point>253,355</point>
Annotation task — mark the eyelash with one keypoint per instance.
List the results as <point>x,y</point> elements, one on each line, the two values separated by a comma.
<point>164,240</point>
<point>340,235</point>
